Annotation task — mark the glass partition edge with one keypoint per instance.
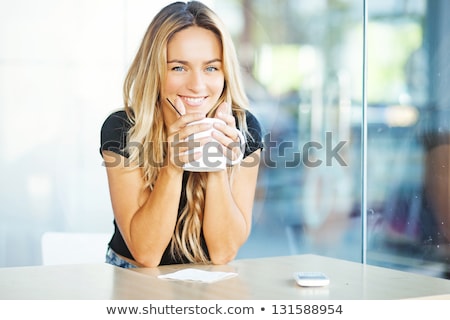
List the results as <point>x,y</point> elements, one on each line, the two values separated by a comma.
<point>364,140</point>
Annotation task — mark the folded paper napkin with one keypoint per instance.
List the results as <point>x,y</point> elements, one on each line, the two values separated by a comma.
<point>197,275</point>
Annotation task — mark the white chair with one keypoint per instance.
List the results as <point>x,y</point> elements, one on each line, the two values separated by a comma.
<point>73,248</point>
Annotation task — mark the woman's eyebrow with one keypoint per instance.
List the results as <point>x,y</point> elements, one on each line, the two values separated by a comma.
<point>187,62</point>
<point>177,61</point>
<point>213,60</point>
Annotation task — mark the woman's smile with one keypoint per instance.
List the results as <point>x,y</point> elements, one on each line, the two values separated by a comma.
<point>193,101</point>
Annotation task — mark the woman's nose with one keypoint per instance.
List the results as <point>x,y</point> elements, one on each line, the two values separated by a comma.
<point>196,81</point>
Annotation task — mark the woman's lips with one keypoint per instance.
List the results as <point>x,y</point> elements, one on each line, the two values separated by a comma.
<point>193,101</point>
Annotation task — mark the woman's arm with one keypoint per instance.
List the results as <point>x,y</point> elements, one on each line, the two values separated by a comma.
<point>229,203</point>
<point>228,209</point>
<point>146,219</point>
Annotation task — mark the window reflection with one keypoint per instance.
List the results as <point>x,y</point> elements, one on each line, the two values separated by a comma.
<point>408,151</point>
<point>304,82</point>
<point>307,71</point>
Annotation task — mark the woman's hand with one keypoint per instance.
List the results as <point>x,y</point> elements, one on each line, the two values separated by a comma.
<point>180,147</point>
<point>228,135</point>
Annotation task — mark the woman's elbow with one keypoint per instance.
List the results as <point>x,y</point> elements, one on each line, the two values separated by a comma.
<point>146,260</point>
<point>223,258</point>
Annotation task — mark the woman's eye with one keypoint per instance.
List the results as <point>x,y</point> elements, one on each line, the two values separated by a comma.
<point>211,69</point>
<point>178,68</point>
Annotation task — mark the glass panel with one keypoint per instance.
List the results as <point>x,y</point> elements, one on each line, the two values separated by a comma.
<point>408,135</point>
<point>303,62</point>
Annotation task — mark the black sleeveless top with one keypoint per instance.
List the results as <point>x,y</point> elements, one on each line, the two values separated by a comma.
<point>113,138</point>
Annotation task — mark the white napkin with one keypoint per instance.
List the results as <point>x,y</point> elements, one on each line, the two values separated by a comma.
<point>198,275</point>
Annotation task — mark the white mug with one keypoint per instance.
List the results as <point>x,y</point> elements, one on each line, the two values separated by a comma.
<point>212,158</point>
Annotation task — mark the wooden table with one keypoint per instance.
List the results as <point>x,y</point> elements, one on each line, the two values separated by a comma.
<point>263,278</point>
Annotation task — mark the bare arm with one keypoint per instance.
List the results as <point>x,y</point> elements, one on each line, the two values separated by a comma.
<point>229,204</point>
<point>146,219</point>
<point>228,210</point>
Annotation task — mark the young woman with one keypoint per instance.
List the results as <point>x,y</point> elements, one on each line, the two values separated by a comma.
<point>185,70</point>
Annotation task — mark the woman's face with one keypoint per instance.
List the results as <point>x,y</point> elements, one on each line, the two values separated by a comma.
<point>194,71</point>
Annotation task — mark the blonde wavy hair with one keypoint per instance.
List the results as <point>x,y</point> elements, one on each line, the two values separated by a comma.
<point>146,144</point>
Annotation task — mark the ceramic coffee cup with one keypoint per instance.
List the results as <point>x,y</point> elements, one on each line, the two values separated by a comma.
<point>212,157</point>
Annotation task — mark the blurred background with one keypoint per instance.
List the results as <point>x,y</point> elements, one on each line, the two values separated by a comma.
<point>357,151</point>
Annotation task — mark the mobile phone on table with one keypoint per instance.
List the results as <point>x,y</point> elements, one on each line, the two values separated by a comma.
<point>311,279</point>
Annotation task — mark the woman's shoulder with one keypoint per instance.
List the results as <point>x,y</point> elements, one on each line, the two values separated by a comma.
<point>255,140</point>
<point>116,120</point>
<point>114,131</point>
<point>252,120</point>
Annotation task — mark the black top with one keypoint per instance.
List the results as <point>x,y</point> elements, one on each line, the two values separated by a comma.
<point>113,138</point>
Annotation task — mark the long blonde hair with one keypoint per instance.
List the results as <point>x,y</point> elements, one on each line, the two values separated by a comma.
<point>146,139</point>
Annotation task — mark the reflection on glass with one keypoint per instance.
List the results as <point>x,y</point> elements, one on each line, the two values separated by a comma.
<point>408,195</point>
<point>304,81</point>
